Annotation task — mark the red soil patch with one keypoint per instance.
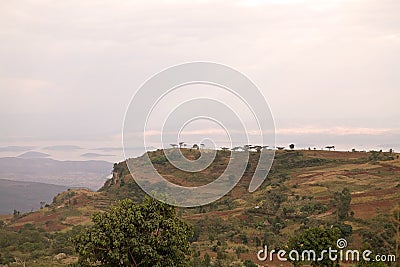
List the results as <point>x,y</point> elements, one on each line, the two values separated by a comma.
<point>372,208</point>
<point>5,217</point>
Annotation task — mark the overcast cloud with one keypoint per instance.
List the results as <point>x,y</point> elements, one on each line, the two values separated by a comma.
<point>329,69</point>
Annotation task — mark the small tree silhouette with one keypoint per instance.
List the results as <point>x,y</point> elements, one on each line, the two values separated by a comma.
<point>330,147</point>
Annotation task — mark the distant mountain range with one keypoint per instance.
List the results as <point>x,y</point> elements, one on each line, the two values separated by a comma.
<point>33,155</point>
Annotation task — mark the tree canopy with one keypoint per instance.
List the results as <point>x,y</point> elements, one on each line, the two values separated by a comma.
<point>342,202</point>
<point>316,239</point>
<point>130,234</point>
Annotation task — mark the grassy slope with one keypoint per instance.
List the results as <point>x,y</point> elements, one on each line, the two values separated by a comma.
<point>297,179</point>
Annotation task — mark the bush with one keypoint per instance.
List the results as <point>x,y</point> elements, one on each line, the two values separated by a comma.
<point>249,263</point>
<point>159,160</point>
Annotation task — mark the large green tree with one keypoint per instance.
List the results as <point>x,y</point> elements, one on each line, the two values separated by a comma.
<point>316,239</point>
<point>130,234</point>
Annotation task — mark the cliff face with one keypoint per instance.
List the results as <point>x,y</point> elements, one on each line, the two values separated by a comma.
<point>121,185</point>
<point>120,170</point>
<point>111,182</point>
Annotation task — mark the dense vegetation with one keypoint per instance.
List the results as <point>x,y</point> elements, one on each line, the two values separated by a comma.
<point>130,234</point>
<point>29,244</point>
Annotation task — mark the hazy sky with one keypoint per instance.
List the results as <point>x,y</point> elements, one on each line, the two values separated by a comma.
<point>330,70</point>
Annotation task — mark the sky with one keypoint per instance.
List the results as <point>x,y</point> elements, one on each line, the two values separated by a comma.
<point>328,69</point>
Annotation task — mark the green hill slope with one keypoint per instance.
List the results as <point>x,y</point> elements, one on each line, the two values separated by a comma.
<point>303,189</point>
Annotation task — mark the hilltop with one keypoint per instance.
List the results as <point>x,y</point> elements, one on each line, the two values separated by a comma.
<point>298,193</point>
